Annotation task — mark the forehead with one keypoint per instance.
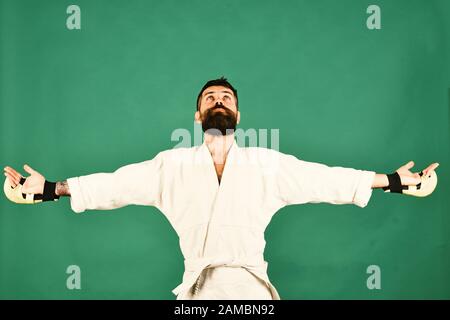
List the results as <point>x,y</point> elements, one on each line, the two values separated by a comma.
<point>217,89</point>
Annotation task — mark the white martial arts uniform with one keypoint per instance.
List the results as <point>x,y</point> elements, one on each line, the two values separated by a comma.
<point>221,226</point>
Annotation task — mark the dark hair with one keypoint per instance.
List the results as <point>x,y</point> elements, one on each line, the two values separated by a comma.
<point>217,82</point>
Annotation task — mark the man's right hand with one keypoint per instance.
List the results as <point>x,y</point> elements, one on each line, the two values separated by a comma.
<point>34,183</point>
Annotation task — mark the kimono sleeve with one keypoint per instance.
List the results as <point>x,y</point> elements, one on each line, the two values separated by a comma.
<point>302,181</point>
<point>137,183</point>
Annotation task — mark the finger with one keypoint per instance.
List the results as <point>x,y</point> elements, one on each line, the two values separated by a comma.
<point>431,168</point>
<point>10,169</point>
<point>28,169</point>
<point>11,180</point>
<point>409,165</point>
<point>13,173</point>
<point>16,180</point>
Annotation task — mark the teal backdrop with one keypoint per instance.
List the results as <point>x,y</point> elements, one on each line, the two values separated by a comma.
<point>75,102</point>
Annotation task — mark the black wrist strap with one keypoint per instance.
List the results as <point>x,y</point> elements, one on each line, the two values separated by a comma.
<point>395,183</point>
<point>49,191</point>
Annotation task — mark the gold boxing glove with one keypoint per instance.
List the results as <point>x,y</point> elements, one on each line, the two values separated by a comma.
<point>16,195</point>
<point>424,188</point>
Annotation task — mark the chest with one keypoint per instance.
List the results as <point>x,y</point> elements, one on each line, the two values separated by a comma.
<point>219,170</point>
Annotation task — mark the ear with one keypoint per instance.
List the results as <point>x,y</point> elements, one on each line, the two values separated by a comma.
<point>238,117</point>
<point>197,117</point>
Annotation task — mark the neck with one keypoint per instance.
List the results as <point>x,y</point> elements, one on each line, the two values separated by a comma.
<point>219,146</point>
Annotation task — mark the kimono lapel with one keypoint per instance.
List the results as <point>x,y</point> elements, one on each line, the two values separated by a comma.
<point>210,170</point>
<point>218,189</point>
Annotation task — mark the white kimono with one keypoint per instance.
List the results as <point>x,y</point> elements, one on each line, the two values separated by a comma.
<point>222,225</point>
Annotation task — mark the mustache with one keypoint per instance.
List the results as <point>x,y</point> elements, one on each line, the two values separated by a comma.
<point>218,106</point>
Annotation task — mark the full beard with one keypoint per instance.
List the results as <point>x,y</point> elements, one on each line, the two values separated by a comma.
<point>218,122</point>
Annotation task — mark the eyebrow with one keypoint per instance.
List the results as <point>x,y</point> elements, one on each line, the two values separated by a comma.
<point>224,91</point>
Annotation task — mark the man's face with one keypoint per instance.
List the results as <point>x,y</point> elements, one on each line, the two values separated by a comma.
<point>218,110</point>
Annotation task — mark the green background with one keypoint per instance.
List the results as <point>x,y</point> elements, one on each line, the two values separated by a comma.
<point>74,102</point>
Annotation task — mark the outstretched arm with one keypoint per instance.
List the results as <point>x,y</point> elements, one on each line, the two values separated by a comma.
<point>302,181</point>
<point>137,183</point>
